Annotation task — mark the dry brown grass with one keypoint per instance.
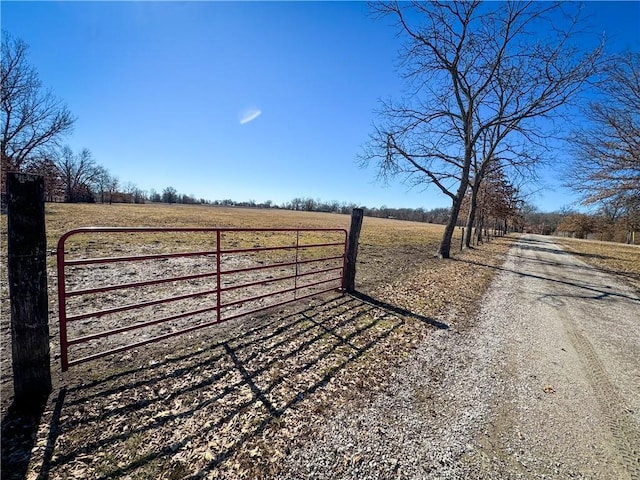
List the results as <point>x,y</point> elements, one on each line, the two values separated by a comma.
<point>190,405</point>
<point>62,217</point>
<point>376,232</point>
<point>616,258</point>
<point>382,241</point>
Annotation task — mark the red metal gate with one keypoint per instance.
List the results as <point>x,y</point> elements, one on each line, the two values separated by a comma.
<point>232,272</point>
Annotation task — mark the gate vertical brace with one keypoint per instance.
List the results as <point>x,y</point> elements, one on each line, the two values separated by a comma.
<point>62,306</point>
<point>295,280</point>
<point>218,282</point>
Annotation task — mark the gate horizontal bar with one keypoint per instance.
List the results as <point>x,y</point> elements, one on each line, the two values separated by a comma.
<point>217,238</point>
<point>278,279</point>
<point>155,256</point>
<point>121,286</point>
<point>275,265</point>
<point>287,247</point>
<point>108,311</point>
<point>288,290</point>
<point>187,330</point>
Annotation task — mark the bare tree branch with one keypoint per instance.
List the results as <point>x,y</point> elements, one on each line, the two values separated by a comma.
<point>479,76</point>
<point>32,119</point>
<point>606,167</point>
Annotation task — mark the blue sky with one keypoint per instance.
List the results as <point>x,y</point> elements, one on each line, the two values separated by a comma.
<point>240,100</point>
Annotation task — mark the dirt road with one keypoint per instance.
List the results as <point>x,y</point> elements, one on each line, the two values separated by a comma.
<point>569,366</point>
<point>544,384</point>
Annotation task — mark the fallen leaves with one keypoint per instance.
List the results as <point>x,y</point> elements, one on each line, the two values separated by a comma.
<point>233,401</point>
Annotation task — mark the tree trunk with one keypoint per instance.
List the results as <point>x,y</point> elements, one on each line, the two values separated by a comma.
<point>479,227</point>
<point>472,215</point>
<point>445,244</point>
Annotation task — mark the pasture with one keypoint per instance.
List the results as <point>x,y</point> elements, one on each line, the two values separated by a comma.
<point>206,402</point>
<point>615,258</point>
<point>231,400</point>
<point>386,246</point>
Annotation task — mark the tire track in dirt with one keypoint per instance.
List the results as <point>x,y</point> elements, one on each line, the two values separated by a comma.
<point>617,413</point>
<point>614,408</point>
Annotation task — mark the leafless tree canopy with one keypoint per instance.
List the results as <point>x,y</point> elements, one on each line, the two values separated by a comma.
<point>480,77</point>
<point>79,173</point>
<point>32,119</point>
<point>607,152</point>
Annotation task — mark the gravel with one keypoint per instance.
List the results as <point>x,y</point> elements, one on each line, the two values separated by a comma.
<point>420,427</point>
<point>515,395</point>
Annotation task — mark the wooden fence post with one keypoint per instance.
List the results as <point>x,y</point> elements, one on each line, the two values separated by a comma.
<point>27,272</point>
<point>349,280</point>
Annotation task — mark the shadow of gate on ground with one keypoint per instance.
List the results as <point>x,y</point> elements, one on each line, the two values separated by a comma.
<point>208,405</point>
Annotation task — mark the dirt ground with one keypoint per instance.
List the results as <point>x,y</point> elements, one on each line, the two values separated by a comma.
<point>403,379</point>
<point>542,384</point>
<point>232,400</point>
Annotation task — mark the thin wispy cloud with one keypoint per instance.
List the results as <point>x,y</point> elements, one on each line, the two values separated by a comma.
<point>250,115</point>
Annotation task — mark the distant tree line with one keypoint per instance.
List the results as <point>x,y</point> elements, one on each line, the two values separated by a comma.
<point>607,224</point>
<point>307,204</point>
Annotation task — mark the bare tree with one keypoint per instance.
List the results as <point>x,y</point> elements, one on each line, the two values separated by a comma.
<point>477,74</point>
<point>154,196</point>
<point>113,183</point>
<point>514,156</point>
<point>78,173</point>
<point>606,167</point>
<point>101,182</point>
<point>607,151</point>
<point>32,119</point>
<point>53,185</point>
<point>169,195</point>
<point>129,188</point>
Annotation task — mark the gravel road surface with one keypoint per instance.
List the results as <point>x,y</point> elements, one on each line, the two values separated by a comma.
<point>545,383</point>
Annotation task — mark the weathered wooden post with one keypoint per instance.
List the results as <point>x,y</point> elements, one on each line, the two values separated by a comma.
<point>27,272</point>
<point>349,280</point>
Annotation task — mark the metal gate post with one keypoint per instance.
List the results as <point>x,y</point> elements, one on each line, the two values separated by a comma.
<point>295,280</point>
<point>218,282</point>
<point>62,305</point>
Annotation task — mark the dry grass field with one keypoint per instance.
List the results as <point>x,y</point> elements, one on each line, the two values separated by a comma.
<point>616,258</point>
<point>62,217</point>
<point>231,400</point>
<point>381,241</point>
